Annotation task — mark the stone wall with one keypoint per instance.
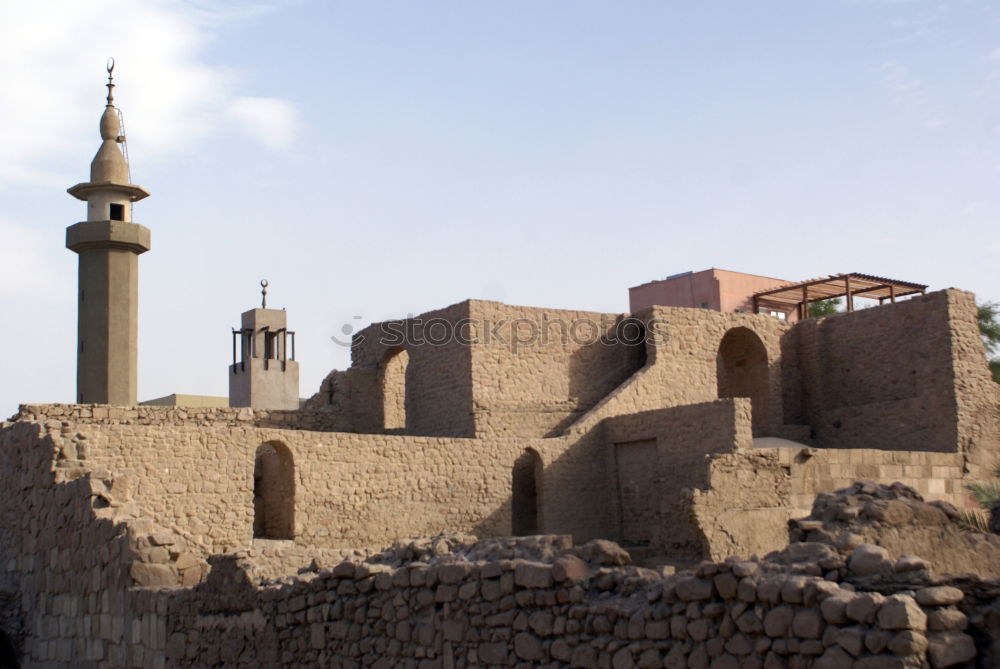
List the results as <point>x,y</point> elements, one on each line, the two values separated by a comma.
<point>462,610</point>
<point>977,396</point>
<point>168,416</point>
<point>73,552</point>
<point>535,371</point>
<point>351,490</point>
<point>933,475</point>
<point>437,377</point>
<point>897,518</point>
<point>683,351</point>
<point>706,492</point>
<point>103,511</point>
<point>885,377</point>
<point>749,496</point>
<point>711,491</point>
<point>904,376</point>
<point>684,437</point>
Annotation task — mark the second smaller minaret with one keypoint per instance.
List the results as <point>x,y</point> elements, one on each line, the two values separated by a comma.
<point>264,373</point>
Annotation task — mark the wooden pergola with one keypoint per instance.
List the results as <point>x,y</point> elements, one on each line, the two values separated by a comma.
<point>800,295</point>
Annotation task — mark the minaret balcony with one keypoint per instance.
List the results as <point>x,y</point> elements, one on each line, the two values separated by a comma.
<point>108,235</point>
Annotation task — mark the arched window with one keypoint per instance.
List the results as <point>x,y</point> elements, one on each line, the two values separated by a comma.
<point>526,497</point>
<point>273,492</point>
<point>393,385</point>
<point>742,370</point>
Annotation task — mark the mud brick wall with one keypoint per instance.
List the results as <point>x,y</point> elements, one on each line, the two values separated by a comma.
<point>351,490</point>
<point>683,352</point>
<point>535,371</point>
<point>684,437</point>
<point>103,414</point>
<point>437,378</point>
<point>884,377</point>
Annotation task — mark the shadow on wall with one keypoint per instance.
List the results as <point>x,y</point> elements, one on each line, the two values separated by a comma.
<point>8,655</point>
<point>598,369</point>
<point>557,486</point>
<point>273,492</point>
<point>742,371</point>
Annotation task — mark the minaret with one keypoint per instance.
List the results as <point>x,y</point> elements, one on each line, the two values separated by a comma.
<point>264,375</point>
<point>109,245</point>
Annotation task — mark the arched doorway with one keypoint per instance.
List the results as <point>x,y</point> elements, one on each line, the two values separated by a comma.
<point>742,371</point>
<point>273,492</point>
<point>393,387</point>
<point>526,498</point>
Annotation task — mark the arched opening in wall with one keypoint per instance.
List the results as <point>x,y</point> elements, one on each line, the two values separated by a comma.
<point>273,492</point>
<point>742,371</point>
<point>393,386</point>
<point>526,494</point>
<point>8,654</point>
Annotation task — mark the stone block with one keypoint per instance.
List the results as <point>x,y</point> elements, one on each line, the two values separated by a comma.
<point>693,589</point>
<point>900,612</point>
<point>868,559</point>
<point>151,575</point>
<point>569,568</point>
<point>778,621</point>
<point>942,595</point>
<point>533,575</point>
<point>528,647</point>
<point>946,649</point>
<point>946,619</point>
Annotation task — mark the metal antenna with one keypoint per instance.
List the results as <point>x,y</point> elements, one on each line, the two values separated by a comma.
<point>111,83</point>
<point>263,293</point>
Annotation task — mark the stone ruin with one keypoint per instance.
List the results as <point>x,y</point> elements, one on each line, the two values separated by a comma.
<point>193,537</point>
<point>828,600</point>
<point>454,601</point>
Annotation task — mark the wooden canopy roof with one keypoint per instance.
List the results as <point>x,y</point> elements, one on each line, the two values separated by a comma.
<point>836,285</point>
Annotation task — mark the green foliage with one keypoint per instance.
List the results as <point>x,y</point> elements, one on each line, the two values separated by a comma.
<point>824,308</point>
<point>974,521</point>
<point>985,494</point>
<point>987,314</point>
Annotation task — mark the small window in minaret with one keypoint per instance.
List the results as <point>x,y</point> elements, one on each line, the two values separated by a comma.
<point>271,345</point>
<point>117,212</point>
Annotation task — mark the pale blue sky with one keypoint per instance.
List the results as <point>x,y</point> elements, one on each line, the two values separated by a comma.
<point>375,158</point>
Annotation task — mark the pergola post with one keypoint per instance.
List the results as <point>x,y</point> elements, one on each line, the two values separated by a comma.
<point>850,298</point>
<point>892,293</point>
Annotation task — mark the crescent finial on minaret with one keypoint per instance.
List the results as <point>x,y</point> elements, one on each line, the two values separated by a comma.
<point>111,83</point>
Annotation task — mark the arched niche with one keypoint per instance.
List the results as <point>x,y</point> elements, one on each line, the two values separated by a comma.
<point>526,494</point>
<point>273,492</point>
<point>742,371</point>
<point>392,382</point>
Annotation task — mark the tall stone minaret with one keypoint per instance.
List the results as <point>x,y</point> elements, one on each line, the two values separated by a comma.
<point>109,245</point>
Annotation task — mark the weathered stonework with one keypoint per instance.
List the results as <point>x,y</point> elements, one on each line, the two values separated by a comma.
<point>129,537</point>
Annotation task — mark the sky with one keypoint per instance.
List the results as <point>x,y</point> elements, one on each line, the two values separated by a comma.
<point>378,158</point>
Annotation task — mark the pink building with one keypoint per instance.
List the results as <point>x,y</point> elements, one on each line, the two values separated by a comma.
<point>717,289</point>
